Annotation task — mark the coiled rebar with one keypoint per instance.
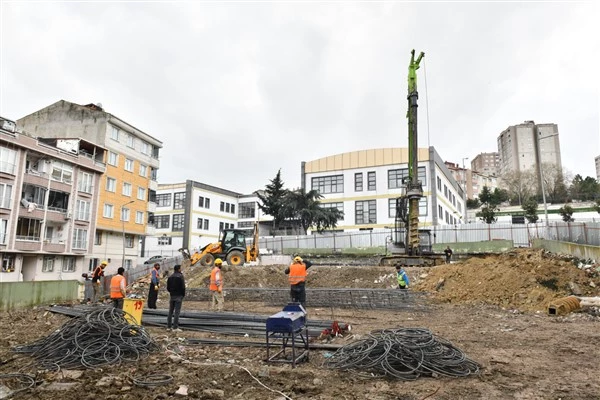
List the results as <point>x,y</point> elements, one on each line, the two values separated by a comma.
<point>406,354</point>
<point>102,337</point>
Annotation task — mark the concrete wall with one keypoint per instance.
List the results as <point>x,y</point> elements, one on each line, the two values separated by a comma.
<point>577,250</point>
<point>492,246</point>
<point>27,294</point>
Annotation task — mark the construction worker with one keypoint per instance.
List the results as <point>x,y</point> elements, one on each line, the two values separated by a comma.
<point>96,281</point>
<point>402,277</point>
<point>216,286</point>
<point>448,252</point>
<point>117,288</point>
<point>154,286</point>
<point>297,279</point>
<point>176,289</point>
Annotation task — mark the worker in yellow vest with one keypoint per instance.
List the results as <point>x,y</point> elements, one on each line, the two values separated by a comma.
<point>216,286</point>
<point>297,277</point>
<point>118,286</point>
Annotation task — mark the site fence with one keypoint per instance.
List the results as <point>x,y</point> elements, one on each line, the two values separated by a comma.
<point>520,234</point>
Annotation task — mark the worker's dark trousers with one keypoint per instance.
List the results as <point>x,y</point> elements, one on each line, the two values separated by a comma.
<point>298,293</point>
<point>152,296</point>
<point>174,309</point>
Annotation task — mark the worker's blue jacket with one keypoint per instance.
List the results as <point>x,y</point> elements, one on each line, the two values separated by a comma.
<point>403,280</point>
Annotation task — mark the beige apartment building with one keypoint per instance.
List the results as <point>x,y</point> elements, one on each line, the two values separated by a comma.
<point>486,164</point>
<point>48,202</point>
<point>127,192</point>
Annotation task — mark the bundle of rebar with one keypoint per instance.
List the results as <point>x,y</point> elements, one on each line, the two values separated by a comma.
<point>226,323</point>
<point>323,297</point>
<point>406,354</point>
<point>93,339</point>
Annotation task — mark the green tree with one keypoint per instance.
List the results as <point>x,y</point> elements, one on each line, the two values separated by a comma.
<point>485,196</point>
<point>272,200</point>
<point>597,206</point>
<point>584,189</point>
<point>305,208</point>
<point>473,203</point>
<point>499,196</point>
<point>530,206</point>
<point>566,212</point>
<point>488,214</point>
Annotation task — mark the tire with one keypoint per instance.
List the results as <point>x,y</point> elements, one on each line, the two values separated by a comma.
<point>207,260</point>
<point>235,258</point>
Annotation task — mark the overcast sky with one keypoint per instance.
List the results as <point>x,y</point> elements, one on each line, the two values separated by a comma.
<point>236,91</point>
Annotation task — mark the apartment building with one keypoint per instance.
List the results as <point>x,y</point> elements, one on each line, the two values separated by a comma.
<point>128,189</point>
<point>597,159</point>
<point>365,185</point>
<point>486,164</point>
<point>48,202</point>
<point>525,146</point>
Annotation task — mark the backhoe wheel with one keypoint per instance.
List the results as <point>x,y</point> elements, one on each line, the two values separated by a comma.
<point>235,258</point>
<point>207,260</point>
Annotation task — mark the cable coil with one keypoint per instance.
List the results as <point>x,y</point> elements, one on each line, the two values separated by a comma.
<point>102,337</point>
<point>406,354</point>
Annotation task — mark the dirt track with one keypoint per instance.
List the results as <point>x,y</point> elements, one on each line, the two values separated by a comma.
<point>524,355</point>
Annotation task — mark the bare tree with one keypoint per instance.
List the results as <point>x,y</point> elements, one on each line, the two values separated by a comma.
<point>519,184</point>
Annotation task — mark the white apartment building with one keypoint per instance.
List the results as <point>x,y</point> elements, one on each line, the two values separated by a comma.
<point>365,185</point>
<point>597,159</point>
<point>48,202</point>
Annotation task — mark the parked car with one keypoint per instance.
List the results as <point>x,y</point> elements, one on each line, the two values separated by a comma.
<point>155,259</point>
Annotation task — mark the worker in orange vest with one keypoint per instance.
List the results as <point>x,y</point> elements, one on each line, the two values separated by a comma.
<point>97,281</point>
<point>117,288</point>
<point>216,286</point>
<point>297,278</point>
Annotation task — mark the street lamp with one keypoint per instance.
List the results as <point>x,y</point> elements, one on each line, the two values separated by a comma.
<point>542,184</point>
<point>464,171</point>
<point>123,230</point>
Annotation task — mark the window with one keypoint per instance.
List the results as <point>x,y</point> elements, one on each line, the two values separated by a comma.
<point>445,191</point>
<point>3,224</point>
<point>62,172</point>
<point>126,189</point>
<point>82,210</point>
<point>440,212</point>
<point>164,241</point>
<point>227,209</point>
<point>396,177</point>
<point>113,158</point>
<point>98,238</point>
<point>139,217</point>
<point>128,165</point>
<point>143,170</point>
<point>225,225</point>
<point>124,214</point>
<point>114,133</point>
<point>8,160</point>
<point>329,184</point>
<point>339,206</point>
<point>108,211</point>
<point>221,226</point>
<point>439,183</point>
<point>206,202</point>
<point>153,173</point>
<point>233,208</point>
<point>48,264</point>
<point>447,217</point>
<point>128,264</point>
<point>178,220</point>
<point>68,264</point>
<point>358,182</point>
<point>8,262</point>
<point>163,200</point>
<point>111,184</point>
<point>130,141</point>
<point>205,224</point>
<point>371,185</point>
<point>146,149</point>
<point>84,182</point>
<point>129,241</point>
<point>179,200</point>
<point>247,210</point>
<point>200,201</point>
<point>80,239</point>
<point>222,207</point>
<point>200,223</point>
<point>162,221</point>
<point>58,201</point>
<point>365,212</point>
<point>5,195</point>
<point>141,193</point>
<point>422,207</point>
<point>28,229</point>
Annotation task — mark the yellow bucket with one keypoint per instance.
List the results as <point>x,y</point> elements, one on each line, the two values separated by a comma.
<point>133,309</point>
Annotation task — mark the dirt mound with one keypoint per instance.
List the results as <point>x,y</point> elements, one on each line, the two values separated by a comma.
<point>526,279</point>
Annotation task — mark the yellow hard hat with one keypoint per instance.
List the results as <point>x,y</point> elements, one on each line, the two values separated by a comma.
<point>297,259</point>
<point>218,261</point>
<point>104,263</point>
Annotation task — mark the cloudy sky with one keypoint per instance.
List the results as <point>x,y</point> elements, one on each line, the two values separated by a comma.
<point>237,91</point>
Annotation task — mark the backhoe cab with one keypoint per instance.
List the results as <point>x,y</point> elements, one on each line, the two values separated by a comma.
<point>231,248</point>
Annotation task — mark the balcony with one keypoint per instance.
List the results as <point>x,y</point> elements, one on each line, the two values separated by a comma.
<point>153,185</point>
<point>150,230</point>
<point>53,246</point>
<point>27,243</point>
<point>151,207</point>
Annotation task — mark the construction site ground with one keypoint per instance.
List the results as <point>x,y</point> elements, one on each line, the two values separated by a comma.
<point>493,308</point>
